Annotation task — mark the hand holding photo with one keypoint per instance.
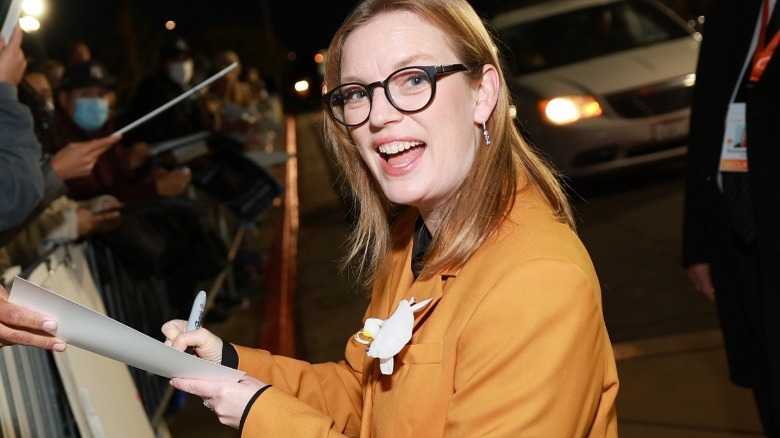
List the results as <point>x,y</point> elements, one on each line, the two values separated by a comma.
<point>92,331</point>
<point>10,10</point>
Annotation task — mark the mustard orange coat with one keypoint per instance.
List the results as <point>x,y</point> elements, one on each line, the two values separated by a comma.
<point>512,345</point>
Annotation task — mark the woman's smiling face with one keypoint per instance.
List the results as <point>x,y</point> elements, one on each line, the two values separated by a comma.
<point>419,158</point>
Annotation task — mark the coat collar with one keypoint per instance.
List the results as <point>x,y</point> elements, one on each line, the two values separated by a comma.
<point>402,284</point>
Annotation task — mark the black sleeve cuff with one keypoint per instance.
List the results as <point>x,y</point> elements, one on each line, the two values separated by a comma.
<point>229,355</point>
<point>249,407</point>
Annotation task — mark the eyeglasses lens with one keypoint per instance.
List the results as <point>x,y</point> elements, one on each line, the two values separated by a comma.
<point>408,90</point>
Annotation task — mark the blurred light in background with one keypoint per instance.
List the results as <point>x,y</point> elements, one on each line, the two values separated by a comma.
<point>33,7</point>
<point>170,25</point>
<point>302,87</point>
<point>568,109</point>
<point>320,59</point>
<point>29,24</point>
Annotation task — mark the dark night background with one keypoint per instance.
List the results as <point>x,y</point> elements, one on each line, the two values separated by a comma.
<point>126,34</point>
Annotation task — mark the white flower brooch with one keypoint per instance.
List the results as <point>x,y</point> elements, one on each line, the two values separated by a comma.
<point>386,338</point>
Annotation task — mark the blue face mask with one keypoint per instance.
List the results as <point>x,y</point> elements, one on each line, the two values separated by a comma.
<point>91,113</point>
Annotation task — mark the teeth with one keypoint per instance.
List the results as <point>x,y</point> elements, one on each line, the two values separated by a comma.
<point>394,148</point>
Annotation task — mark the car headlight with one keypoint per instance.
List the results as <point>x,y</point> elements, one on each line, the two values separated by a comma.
<point>568,109</point>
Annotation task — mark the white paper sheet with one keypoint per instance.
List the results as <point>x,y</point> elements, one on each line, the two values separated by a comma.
<point>87,329</point>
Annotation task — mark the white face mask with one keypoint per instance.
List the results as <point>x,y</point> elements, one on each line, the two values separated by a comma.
<point>181,72</point>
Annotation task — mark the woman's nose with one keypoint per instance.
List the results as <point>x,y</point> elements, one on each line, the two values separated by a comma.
<point>382,111</point>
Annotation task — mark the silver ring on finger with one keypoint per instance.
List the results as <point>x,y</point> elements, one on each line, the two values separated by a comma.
<point>207,404</point>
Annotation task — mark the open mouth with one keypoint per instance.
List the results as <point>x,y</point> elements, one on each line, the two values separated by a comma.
<point>399,154</point>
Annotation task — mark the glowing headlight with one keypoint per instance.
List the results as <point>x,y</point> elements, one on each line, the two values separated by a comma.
<point>569,109</point>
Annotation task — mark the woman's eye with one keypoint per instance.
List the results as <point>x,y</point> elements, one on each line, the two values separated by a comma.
<point>417,79</point>
<point>356,94</point>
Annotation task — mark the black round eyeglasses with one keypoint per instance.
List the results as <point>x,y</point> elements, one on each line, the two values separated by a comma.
<point>408,89</point>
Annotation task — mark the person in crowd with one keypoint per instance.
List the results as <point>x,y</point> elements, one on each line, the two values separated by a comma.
<point>75,159</point>
<point>22,183</point>
<point>78,52</point>
<point>171,242</point>
<point>172,77</point>
<point>268,108</point>
<point>731,242</point>
<point>52,214</point>
<point>53,70</point>
<point>485,315</point>
<point>201,70</point>
<point>82,114</point>
<point>63,219</point>
<point>229,106</point>
<point>36,92</point>
<point>22,188</point>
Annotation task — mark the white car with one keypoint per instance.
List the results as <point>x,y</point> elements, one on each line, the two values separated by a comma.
<point>600,85</point>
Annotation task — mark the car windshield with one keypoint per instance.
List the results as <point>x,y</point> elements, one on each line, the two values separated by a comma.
<point>573,36</point>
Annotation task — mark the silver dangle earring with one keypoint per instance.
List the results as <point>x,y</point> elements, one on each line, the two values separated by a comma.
<point>485,132</point>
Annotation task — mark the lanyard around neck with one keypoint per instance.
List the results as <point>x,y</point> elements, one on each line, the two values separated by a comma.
<point>764,51</point>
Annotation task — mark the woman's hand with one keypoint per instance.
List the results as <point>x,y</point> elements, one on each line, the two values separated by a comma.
<point>25,327</point>
<point>227,399</point>
<point>207,345</point>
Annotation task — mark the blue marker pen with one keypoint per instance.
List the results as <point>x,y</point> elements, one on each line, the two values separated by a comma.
<point>196,314</point>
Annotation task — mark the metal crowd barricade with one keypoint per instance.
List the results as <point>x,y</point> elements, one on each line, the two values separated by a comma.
<point>73,393</point>
<point>62,394</point>
<point>39,394</point>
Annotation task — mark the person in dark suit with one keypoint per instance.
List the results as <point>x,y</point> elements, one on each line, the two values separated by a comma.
<point>731,238</point>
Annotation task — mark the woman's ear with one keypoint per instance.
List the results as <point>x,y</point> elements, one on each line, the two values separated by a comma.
<point>487,94</point>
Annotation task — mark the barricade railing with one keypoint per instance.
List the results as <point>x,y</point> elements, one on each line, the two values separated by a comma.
<point>53,394</point>
<point>77,393</point>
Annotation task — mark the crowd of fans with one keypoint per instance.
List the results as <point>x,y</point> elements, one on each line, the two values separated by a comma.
<point>68,176</point>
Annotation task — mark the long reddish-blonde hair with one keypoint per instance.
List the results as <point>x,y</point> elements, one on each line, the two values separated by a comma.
<point>488,191</point>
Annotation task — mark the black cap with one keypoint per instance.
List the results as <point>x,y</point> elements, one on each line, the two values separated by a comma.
<point>86,74</point>
<point>174,47</point>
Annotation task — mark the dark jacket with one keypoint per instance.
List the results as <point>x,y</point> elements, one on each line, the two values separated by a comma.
<point>21,180</point>
<point>707,236</point>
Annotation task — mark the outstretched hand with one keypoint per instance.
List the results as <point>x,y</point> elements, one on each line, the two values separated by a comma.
<point>78,158</point>
<point>25,327</point>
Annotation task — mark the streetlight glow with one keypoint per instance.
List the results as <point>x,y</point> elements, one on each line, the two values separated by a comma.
<point>29,24</point>
<point>33,7</point>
